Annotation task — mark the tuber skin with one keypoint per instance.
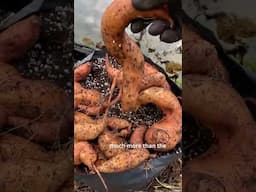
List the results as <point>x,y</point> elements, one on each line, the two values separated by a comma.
<point>22,95</point>
<point>82,71</point>
<point>86,128</point>
<point>120,127</point>
<point>41,132</point>
<point>116,122</point>
<point>3,117</point>
<point>106,139</point>
<point>114,21</point>
<point>84,153</point>
<point>168,130</point>
<point>17,148</point>
<point>87,100</point>
<point>38,104</point>
<point>229,163</point>
<point>137,136</point>
<point>124,161</point>
<point>26,166</point>
<point>230,120</point>
<point>218,99</point>
<point>88,97</point>
<point>20,175</point>
<point>151,78</point>
<point>201,57</point>
<point>17,39</point>
<point>101,156</point>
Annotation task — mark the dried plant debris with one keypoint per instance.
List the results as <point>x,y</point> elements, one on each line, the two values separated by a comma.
<point>172,66</point>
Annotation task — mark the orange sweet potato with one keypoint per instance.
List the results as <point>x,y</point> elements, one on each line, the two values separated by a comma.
<point>137,136</point>
<point>124,161</point>
<point>17,39</point>
<point>84,153</point>
<point>3,117</point>
<point>86,128</point>
<point>105,140</point>
<point>34,175</point>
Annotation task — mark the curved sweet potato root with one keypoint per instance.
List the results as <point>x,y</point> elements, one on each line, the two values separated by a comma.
<point>229,163</point>
<point>114,21</point>
<point>3,117</point>
<point>87,128</point>
<point>87,100</point>
<point>82,71</point>
<point>31,98</point>
<point>16,40</point>
<point>223,101</point>
<point>124,161</point>
<point>101,157</point>
<point>20,175</point>
<point>41,131</point>
<point>201,57</point>
<point>154,80</point>
<point>105,140</point>
<point>28,100</point>
<point>120,127</point>
<point>84,153</point>
<point>16,148</point>
<point>168,130</point>
<point>137,136</point>
<point>151,78</point>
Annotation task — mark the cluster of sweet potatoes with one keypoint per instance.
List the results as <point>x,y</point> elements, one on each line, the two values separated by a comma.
<point>35,106</point>
<point>30,110</point>
<point>100,143</point>
<point>210,98</point>
<point>95,140</point>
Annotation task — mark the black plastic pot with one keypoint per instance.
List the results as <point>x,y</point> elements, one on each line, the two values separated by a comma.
<point>137,178</point>
<point>13,5</point>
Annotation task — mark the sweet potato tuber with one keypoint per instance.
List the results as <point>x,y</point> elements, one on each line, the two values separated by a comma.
<point>201,57</point>
<point>114,21</point>
<point>33,175</point>
<point>31,98</point>
<point>118,123</point>
<point>16,148</point>
<point>105,140</point>
<point>41,131</point>
<point>84,153</point>
<point>124,161</point>
<point>17,39</point>
<point>152,77</point>
<point>168,130</point>
<point>137,136</point>
<point>82,71</point>
<point>223,101</point>
<point>120,127</point>
<point>86,128</point>
<point>228,165</point>
<point>87,100</point>
<point>3,117</point>
<point>101,156</point>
